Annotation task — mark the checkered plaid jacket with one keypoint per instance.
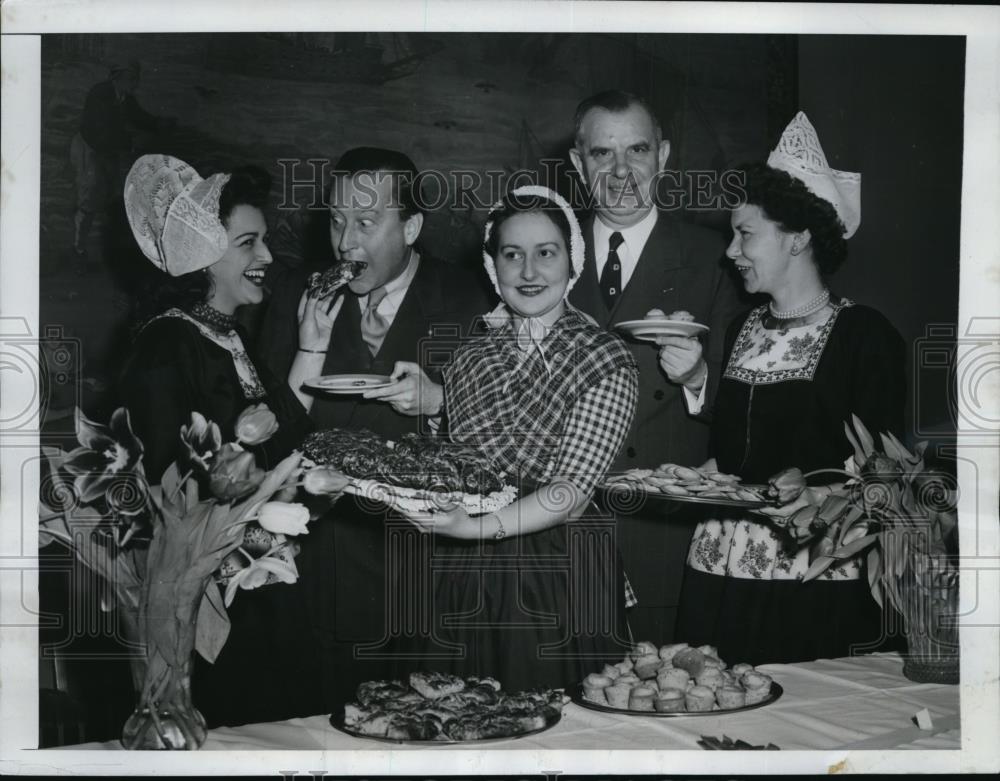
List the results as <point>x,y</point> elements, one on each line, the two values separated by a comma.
<point>565,413</point>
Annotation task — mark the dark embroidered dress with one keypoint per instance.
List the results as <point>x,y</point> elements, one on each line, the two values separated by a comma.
<point>782,402</point>
<point>546,608</point>
<point>178,365</point>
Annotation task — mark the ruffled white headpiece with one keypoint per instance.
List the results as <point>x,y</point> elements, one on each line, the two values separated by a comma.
<point>174,214</point>
<point>799,154</point>
<point>576,251</point>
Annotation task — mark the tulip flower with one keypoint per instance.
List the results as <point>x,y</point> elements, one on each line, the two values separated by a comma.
<point>200,441</point>
<point>256,424</point>
<point>322,481</point>
<point>234,474</point>
<point>257,573</point>
<point>284,518</point>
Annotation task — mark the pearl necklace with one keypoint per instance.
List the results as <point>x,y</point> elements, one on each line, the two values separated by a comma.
<point>213,317</point>
<point>802,311</point>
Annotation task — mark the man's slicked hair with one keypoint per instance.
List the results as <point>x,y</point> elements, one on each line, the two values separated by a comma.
<point>373,160</point>
<point>615,101</point>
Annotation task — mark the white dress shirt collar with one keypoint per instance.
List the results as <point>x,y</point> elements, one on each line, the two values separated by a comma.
<point>635,237</point>
<point>395,290</point>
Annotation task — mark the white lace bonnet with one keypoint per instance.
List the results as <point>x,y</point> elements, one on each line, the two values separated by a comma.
<point>576,251</point>
<point>800,154</point>
<point>174,214</point>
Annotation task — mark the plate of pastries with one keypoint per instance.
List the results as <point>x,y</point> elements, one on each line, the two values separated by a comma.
<point>676,680</point>
<point>690,484</point>
<point>656,324</point>
<point>415,472</point>
<point>432,707</point>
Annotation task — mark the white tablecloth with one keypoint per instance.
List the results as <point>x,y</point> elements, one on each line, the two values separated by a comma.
<point>853,703</point>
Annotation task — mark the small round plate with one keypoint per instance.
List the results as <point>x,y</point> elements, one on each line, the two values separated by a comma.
<point>337,722</point>
<point>648,330</point>
<point>576,694</point>
<point>348,384</point>
<point>632,485</point>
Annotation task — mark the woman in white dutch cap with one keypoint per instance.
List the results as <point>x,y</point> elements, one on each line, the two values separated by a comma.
<point>206,238</point>
<point>548,396</point>
<point>207,241</point>
<point>795,368</point>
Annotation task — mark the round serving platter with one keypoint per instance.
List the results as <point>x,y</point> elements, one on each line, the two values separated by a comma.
<point>420,500</point>
<point>576,694</point>
<point>635,486</point>
<point>337,722</point>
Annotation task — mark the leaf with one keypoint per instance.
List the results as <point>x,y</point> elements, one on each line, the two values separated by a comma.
<point>907,456</point>
<point>818,567</point>
<point>859,454</point>
<point>190,494</point>
<point>894,451</point>
<point>851,548</point>
<point>850,520</point>
<point>832,508</point>
<point>874,566</point>
<point>272,481</point>
<point>234,583</point>
<point>213,626</point>
<point>867,443</point>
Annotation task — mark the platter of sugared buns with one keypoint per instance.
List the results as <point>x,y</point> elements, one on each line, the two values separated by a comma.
<point>676,680</point>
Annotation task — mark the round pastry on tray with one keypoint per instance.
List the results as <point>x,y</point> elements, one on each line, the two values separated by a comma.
<point>689,484</point>
<point>436,707</point>
<point>684,681</point>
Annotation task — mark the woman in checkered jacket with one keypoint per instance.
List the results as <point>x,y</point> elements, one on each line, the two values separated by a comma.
<point>534,593</point>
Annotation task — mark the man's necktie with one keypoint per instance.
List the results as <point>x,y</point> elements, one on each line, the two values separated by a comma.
<point>373,325</point>
<point>611,276</point>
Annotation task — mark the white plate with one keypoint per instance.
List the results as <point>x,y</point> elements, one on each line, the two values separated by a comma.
<point>650,329</point>
<point>348,384</point>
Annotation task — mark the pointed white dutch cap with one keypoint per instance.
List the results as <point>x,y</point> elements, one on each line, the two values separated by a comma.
<point>799,154</point>
<point>174,214</point>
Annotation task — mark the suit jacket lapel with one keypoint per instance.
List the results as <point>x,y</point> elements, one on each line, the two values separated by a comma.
<point>659,259</point>
<point>586,293</point>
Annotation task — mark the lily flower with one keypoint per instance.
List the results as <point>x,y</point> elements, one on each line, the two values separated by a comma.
<point>105,453</point>
<point>256,574</point>
<point>200,441</point>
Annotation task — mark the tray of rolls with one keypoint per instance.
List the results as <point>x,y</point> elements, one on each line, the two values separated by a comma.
<point>676,680</point>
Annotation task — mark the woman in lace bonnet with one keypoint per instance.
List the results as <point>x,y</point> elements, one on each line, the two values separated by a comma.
<point>795,368</point>
<point>207,239</point>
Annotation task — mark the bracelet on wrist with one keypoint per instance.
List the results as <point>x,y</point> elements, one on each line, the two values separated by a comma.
<point>314,352</point>
<point>501,532</point>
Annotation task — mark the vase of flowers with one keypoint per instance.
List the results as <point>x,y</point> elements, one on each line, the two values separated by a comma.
<point>903,517</point>
<point>159,549</point>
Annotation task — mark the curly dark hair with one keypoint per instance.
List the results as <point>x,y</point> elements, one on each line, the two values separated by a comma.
<point>788,202</point>
<point>526,204</point>
<point>249,185</point>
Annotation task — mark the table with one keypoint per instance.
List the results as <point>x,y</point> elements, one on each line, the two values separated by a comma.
<point>855,703</point>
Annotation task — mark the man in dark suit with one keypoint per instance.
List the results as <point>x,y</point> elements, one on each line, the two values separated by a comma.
<point>640,258</point>
<point>402,307</point>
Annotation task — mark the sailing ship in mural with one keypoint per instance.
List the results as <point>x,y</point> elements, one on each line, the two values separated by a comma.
<point>367,58</point>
